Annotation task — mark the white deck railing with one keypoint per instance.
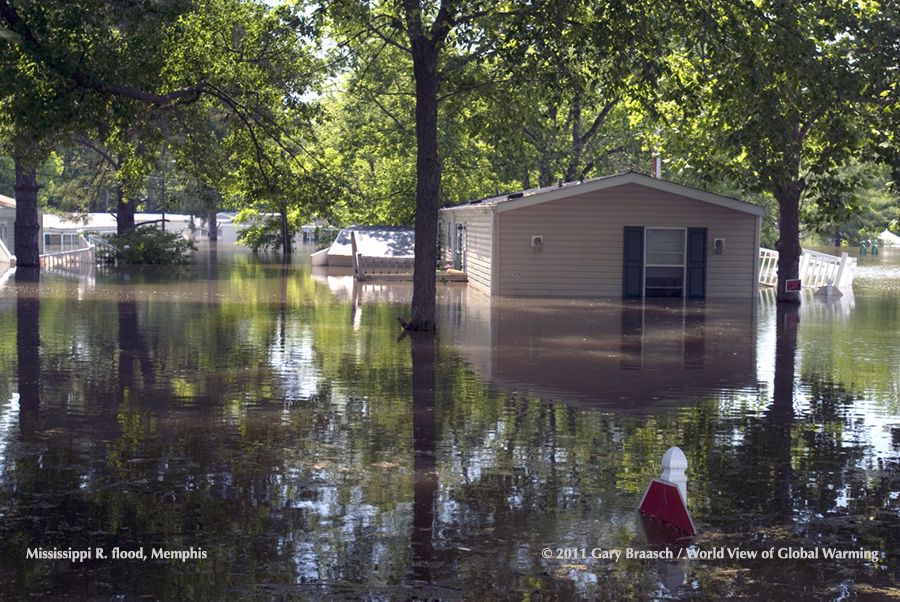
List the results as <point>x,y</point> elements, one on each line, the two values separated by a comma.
<point>393,267</point>
<point>388,268</point>
<point>768,267</point>
<point>5,255</point>
<point>68,258</point>
<point>816,269</point>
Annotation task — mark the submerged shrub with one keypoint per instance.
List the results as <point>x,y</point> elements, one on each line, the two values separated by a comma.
<point>146,246</point>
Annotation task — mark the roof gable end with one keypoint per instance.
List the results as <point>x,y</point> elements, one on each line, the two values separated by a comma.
<point>545,195</point>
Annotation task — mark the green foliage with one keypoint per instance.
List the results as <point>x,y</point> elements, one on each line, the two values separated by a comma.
<point>147,246</point>
<point>222,82</point>
<point>370,137</point>
<point>770,96</point>
<point>866,207</point>
<point>261,231</point>
<point>499,128</point>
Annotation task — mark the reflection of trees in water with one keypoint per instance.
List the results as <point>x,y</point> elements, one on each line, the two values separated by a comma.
<point>799,475</point>
<point>355,487</point>
<point>424,446</point>
<point>28,341</point>
<point>112,460</point>
<point>132,346</point>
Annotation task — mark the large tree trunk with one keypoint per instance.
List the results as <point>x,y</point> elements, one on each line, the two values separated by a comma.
<point>124,212</point>
<point>27,227</point>
<point>788,244</point>
<point>428,185</point>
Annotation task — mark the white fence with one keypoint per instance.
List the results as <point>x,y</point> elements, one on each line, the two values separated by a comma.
<point>816,269</point>
<point>386,268</point>
<point>768,267</point>
<point>5,255</point>
<point>68,258</point>
<point>381,267</point>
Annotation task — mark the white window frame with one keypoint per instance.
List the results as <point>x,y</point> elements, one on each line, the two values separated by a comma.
<point>683,264</point>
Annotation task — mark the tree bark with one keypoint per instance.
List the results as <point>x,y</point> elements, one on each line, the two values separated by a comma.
<point>788,244</point>
<point>124,212</point>
<point>27,227</point>
<point>286,238</point>
<point>211,216</point>
<point>428,185</point>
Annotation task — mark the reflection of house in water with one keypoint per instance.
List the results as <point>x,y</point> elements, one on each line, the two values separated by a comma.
<point>348,288</point>
<point>7,298</point>
<point>621,354</point>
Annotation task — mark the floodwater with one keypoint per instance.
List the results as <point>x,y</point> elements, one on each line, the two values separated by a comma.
<point>243,430</point>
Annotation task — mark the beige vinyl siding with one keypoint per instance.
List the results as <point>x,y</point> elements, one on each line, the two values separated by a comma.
<point>478,248</point>
<point>583,240</point>
<point>446,227</point>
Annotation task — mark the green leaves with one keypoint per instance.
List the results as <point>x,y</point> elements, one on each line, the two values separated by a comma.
<point>146,246</point>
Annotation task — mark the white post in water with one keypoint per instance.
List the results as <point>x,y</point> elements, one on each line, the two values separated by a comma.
<point>674,463</point>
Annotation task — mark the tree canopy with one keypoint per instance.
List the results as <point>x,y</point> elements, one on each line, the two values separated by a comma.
<point>375,111</point>
<point>133,76</point>
<point>779,97</point>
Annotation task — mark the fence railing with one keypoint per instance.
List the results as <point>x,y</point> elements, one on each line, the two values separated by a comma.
<point>387,268</point>
<point>768,267</point>
<point>68,258</point>
<point>816,269</point>
<point>393,267</point>
<point>5,255</point>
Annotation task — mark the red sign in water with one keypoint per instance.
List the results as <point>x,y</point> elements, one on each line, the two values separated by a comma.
<point>663,500</point>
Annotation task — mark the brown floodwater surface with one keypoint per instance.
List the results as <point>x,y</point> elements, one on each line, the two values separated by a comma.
<point>243,429</point>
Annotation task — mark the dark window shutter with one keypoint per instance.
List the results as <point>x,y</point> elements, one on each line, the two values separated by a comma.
<point>633,263</point>
<point>695,270</point>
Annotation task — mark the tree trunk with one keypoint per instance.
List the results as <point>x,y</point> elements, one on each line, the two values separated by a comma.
<point>124,212</point>
<point>788,245</point>
<point>27,227</point>
<point>211,217</point>
<point>286,238</point>
<point>428,185</point>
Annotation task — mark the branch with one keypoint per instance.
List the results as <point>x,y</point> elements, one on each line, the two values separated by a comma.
<point>464,89</point>
<point>369,26</point>
<point>486,13</point>
<point>443,23</point>
<point>801,133</point>
<point>381,106</point>
<point>599,120</point>
<point>87,80</point>
<point>79,139</point>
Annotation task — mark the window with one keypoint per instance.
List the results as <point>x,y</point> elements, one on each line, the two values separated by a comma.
<point>664,262</point>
